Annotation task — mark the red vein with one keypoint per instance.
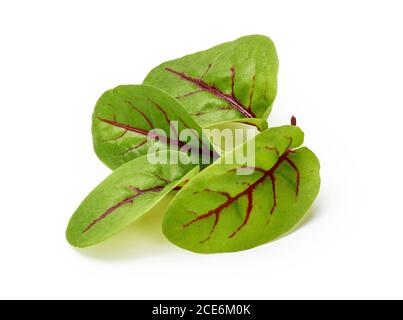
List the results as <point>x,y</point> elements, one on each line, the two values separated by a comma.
<point>230,98</point>
<point>294,166</point>
<point>165,115</point>
<point>118,137</point>
<point>207,70</point>
<point>247,215</point>
<point>273,149</point>
<point>159,177</point>
<point>142,132</point>
<point>188,94</point>
<point>223,193</point>
<point>232,70</point>
<point>216,212</point>
<point>142,143</point>
<point>167,120</point>
<point>138,192</point>
<point>205,147</point>
<point>216,219</point>
<point>200,113</point>
<point>273,185</point>
<point>251,93</point>
<point>177,188</point>
<point>145,117</point>
<point>249,193</point>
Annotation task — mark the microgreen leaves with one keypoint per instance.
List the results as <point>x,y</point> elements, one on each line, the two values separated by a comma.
<point>155,137</point>
<point>123,197</point>
<point>130,120</point>
<point>231,81</point>
<point>231,212</point>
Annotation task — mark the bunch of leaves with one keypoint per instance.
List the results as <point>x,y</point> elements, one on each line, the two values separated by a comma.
<point>216,209</point>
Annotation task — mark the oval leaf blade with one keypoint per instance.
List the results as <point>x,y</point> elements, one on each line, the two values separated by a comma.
<point>220,210</point>
<point>230,81</point>
<point>124,196</point>
<point>125,118</point>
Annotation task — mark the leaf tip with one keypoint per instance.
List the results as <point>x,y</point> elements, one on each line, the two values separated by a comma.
<point>293,121</point>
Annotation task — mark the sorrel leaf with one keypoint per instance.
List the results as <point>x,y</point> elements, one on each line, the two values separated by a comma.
<point>124,116</point>
<point>230,81</point>
<point>123,197</point>
<point>221,211</point>
<point>260,124</point>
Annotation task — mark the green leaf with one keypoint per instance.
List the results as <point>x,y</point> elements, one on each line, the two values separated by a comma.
<point>230,81</point>
<point>226,136</point>
<point>124,117</point>
<point>123,197</point>
<point>260,124</point>
<point>220,210</point>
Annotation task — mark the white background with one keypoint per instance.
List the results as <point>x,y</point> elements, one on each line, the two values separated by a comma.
<point>341,75</point>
